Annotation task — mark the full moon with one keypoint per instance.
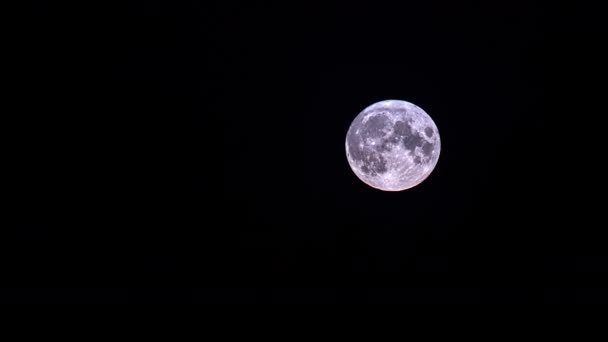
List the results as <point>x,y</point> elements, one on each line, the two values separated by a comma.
<point>393,145</point>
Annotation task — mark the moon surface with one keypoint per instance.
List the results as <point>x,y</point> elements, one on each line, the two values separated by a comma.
<point>393,145</point>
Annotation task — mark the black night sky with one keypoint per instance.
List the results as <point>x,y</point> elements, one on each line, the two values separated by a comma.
<point>195,153</point>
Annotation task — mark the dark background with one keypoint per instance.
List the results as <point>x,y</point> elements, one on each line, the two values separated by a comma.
<point>195,152</point>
